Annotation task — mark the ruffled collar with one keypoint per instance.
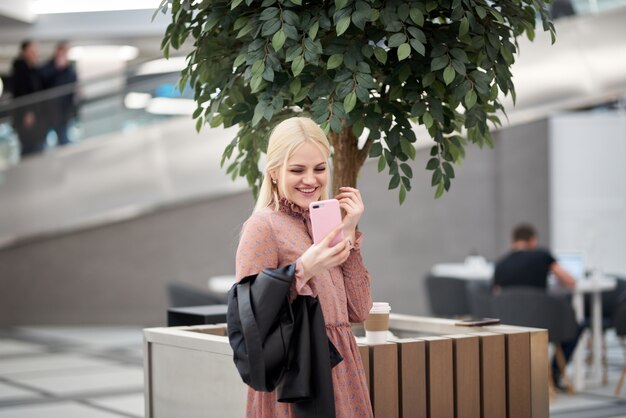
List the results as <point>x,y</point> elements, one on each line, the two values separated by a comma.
<point>290,208</point>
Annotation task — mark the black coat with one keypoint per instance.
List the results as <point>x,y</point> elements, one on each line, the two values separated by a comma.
<point>282,346</point>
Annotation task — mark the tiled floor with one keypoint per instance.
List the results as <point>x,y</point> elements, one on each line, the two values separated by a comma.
<point>98,373</point>
<point>71,373</point>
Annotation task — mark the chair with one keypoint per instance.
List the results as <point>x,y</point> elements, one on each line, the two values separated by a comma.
<point>447,296</point>
<point>533,307</point>
<point>479,298</point>
<point>619,321</point>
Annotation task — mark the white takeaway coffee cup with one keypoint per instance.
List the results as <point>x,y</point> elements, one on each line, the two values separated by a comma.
<point>377,323</point>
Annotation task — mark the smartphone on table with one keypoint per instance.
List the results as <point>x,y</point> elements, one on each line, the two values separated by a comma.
<point>325,216</point>
<point>477,322</point>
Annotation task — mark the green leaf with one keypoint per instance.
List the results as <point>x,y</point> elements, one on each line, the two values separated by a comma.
<point>340,4</point>
<point>417,17</point>
<point>404,51</point>
<point>448,74</point>
<point>432,164</point>
<point>297,65</point>
<point>439,191</point>
<point>402,194</point>
<point>234,4</point>
<point>406,169</point>
<point>428,79</point>
<point>380,54</point>
<point>240,22</point>
<point>418,46</point>
<point>376,150</point>
<point>255,82</point>
<point>241,58</point>
<point>199,123</point>
<point>447,167</point>
<point>349,102</point>
<point>464,26</point>
<point>295,85</point>
<point>394,182</point>
<point>381,163</point>
<point>407,148</point>
<point>396,40</point>
<point>481,12</point>
<point>313,30</point>
<point>428,120</point>
<point>470,99</point>
<point>343,25</point>
<point>358,126</point>
<point>216,121</point>
<point>437,177</point>
<point>270,27</point>
<point>258,67</point>
<point>439,63</point>
<point>278,40</point>
<point>334,61</point>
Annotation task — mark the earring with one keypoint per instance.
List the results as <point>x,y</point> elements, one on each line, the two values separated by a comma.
<point>274,181</point>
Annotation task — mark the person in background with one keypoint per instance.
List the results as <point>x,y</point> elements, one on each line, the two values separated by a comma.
<point>526,264</point>
<point>279,233</point>
<point>28,119</point>
<point>59,71</point>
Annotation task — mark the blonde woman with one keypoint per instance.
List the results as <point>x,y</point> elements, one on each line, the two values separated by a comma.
<point>278,233</point>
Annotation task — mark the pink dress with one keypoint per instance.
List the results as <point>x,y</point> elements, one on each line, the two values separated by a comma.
<point>278,238</point>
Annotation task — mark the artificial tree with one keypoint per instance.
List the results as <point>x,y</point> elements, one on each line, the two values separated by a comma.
<point>360,68</point>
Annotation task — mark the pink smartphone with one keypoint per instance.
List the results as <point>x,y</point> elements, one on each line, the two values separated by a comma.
<point>325,216</point>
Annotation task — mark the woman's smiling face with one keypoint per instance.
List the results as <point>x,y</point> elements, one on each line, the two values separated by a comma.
<point>305,176</point>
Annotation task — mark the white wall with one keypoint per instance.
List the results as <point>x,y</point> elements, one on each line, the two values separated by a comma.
<point>588,187</point>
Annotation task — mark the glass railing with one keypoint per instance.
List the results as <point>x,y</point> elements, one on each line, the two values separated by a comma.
<point>116,102</point>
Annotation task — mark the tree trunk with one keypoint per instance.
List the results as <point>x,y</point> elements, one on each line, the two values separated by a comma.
<point>347,158</point>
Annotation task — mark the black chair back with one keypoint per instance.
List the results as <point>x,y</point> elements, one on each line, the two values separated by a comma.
<point>479,298</point>
<point>533,307</point>
<point>447,296</point>
<point>619,318</point>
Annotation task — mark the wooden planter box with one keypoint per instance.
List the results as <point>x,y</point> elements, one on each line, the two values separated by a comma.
<point>445,371</point>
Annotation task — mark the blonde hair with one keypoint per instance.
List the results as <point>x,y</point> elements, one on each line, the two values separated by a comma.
<point>286,138</point>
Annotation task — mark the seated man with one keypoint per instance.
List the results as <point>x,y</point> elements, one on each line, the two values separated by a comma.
<point>528,265</point>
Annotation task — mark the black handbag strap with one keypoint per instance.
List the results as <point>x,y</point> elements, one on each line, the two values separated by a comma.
<point>251,335</point>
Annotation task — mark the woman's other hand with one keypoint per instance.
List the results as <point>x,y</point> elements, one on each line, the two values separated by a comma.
<point>321,256</point>
<point>351,202</point>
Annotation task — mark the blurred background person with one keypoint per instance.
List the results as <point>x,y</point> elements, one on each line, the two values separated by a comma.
<point>60,108</point>
<point>527,264</point>
<point>27,119</point>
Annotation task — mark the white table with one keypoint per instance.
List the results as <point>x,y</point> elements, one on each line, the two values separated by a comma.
<point>593,286</point>
<point>472,269</point>
<point>221,284</point>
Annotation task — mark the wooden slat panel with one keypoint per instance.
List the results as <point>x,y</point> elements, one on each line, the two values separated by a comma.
<point>440,380</point>
<point>493,375</point>
<point>412,378</point>
<point>466,375</point>
<point>384,380</point>
<point>518,375</point>
<point>539,374</point>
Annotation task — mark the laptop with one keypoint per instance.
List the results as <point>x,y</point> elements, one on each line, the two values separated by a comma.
<point>573,262</point>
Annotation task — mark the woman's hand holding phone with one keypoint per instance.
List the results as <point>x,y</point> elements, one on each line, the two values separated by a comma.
<point>321,256</point>
<point>351,202</point>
